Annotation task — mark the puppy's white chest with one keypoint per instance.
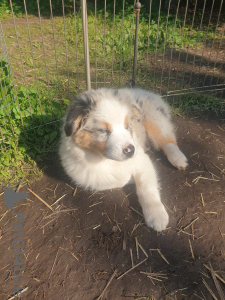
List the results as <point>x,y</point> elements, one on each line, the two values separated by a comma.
<point>106,175</point>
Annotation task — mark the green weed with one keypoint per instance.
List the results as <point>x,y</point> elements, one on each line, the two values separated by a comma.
<point>198,103</point>
<point>5,9</point>
<point>32,7</point>
<point>29,124</point>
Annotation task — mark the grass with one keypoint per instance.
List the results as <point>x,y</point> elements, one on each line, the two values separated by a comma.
<point>107,47</point>
<point>30,125</point>
<point>31,6</point>
<point>47,64</point>
<point>199,103</point>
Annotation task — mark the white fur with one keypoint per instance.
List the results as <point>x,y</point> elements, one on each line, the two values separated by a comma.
<point>113,170</point>
<point>175,156</point>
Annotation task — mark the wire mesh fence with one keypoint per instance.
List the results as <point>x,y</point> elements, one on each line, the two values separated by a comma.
<point>181,48</point>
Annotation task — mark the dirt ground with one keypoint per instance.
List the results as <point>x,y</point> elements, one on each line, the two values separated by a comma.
<point>87,241</point>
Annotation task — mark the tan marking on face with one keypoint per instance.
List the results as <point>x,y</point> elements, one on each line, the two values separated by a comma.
<point>155,132</point>
<point>77,123</point>
<point>106,125</point>
<point>85,140</point>
<point>126,122</point>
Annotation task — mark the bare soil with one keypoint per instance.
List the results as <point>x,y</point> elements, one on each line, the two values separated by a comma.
<point>89,239</point>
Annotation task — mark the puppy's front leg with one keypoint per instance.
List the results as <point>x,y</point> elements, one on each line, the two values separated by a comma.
<point>148,194</point>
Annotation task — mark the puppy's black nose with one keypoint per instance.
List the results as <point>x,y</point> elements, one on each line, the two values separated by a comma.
<point>129,150</point>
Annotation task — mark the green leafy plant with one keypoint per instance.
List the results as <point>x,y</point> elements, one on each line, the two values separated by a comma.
<point>5,8</point>
<point>197,103</point>
<point>6,90</point>
<point>29,123</point>
<point>32,7</point>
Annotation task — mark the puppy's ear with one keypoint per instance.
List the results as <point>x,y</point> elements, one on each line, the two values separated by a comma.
<point>78,112</point>
<point>136,114</point>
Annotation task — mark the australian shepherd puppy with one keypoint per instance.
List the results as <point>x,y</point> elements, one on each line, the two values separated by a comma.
<point>103,144</point>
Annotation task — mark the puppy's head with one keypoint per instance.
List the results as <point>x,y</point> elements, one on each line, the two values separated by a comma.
<point>102,123</point>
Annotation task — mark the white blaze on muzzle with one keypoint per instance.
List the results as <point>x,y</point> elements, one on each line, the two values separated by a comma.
<point>120,145</point>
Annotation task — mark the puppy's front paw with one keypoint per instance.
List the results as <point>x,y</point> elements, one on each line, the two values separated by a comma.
<point>156,217</point>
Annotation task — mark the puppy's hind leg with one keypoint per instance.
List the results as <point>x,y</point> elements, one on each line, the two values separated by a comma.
<point>165,139</point>
<point>175,156</point>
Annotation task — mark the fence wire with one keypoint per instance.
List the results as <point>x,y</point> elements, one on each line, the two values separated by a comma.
<point>181,50</point>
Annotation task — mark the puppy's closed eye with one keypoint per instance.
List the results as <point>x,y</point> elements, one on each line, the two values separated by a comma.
<point>103,130</point>
<point>128,127</point>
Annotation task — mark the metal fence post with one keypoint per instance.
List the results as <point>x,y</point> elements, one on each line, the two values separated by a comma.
<point>86,44</point>
<point>137,8</point>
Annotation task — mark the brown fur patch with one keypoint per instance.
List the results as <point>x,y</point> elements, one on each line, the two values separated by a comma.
<point>106,125</point>
<point>155,133</point>
<point>135,113</point>
<point>126,122</point>
<point>85,140</point>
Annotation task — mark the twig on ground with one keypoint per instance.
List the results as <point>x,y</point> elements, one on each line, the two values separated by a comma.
<point>163,257</point>
<point>179,225</point>
<point>201,236</point>
<point>205,218</point>
<point>95,192</point>
<point>74,192</point>
<point>187,233</point>
<point>124,237</point>
<point>58,199</point>
<point>18,187</point>
<point>155,276</point>
<point>160,253</point>
<point>205,178</point>
<point>133,268</point>
<point>53,264</point>
<point>125,198</point>
<point>220,278</point>
<point>39,198</point>
<point>96,203</point>
<point>70,253</point>
<point>210,291</point>
<point>203,202</point>
<point>192,232</point>
<point>48,223</point>
<point>222,171</point>
<point>96,226</point>
<point>222,234</point>
<point>114,215</point>
<point>107,285</point>
<point>137,212</point>
<point>131,257</point>
<point>20,292</point>
<point>69,186</point>
<point>192,253</point>
<point>143,250</point>
<point>55,190</point>
<point>136,243</point>
<point>218,287</point>
<point>66,210</point>
<point>107,216</point>
<point>4,267</point>
<point>190,223</point>
<point>168,208</point>
<point>2,216</point>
